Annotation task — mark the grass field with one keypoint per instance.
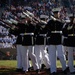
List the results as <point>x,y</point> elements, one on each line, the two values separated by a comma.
<point>8,63</point>
<point>8,67</point>
<point>13,63</point>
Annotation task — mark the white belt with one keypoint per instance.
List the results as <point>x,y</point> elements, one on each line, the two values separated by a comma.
<point>28,33</point>
<point>56,31</point>
<point>42,34</point>
<point>65,37</point>
<point>71,34</point>
<point>22,34</point>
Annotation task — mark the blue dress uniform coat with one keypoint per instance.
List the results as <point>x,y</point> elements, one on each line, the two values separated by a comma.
<point>20,30</point>
<point>54,32</point>
<point>16,32</point>
<point>69,34</point>
<point>40,34</point>
<point>28,39</point>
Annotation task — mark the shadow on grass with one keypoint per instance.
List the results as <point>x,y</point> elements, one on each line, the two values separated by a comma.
<point>7,71</point>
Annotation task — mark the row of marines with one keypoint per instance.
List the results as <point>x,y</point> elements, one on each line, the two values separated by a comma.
<point>35,37</point>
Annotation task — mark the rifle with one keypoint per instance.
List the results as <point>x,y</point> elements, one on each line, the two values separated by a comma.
<point>7,25</point>
<point>73,11</point>
<point>35,18</point>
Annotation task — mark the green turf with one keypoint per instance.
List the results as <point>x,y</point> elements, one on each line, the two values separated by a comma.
<point>8,67</point>
<point>59,64</point>
<point>8,63</point>
<point>13,63</point>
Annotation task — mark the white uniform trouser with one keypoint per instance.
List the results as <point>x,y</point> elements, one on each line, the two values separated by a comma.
<point>53,49</point>
<point>70,58</point>
<point>19,57</point>
<point>29,52</point>
<point>42,54</point>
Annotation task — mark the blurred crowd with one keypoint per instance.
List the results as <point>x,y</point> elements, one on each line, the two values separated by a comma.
<point>6,40</point>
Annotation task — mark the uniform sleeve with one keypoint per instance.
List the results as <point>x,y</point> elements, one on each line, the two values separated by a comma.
<point>37,28</point>
<point>14,31</point>
<point>64,30</point>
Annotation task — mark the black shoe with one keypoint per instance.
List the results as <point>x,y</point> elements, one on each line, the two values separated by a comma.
<point>30,68</point>
<point>48,69</point>
<point>54,73</point>
<point>23,72</point>
<point>72,72</point>
<point>66,71</point>
<point>18,70</point>
<point>38,70</point>
<point>43,66</point>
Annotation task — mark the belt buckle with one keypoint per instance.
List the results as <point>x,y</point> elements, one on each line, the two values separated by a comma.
<point>72,34</point>
<point>55,31</point>
<point>25,33</point>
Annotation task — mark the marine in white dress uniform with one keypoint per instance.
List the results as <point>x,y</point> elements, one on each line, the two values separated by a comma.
<point>40,44</point>
<point>69,42</point>
<point>28,46</point>
<point>54,28</point>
